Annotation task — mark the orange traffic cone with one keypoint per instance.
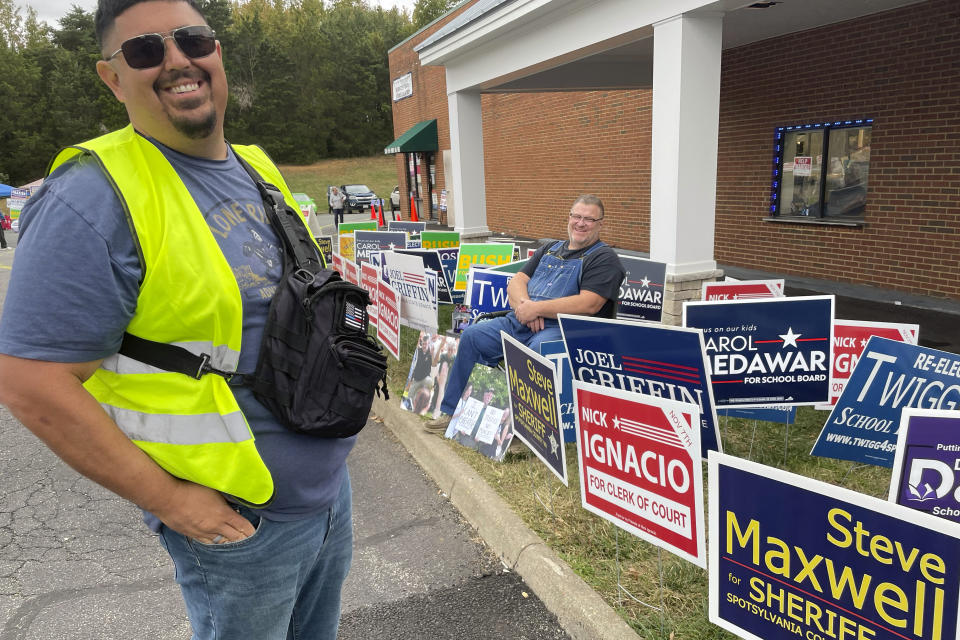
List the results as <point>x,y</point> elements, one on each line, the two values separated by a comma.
<point>413,210</point>
<point>380,212</point>
<point>373,211</point>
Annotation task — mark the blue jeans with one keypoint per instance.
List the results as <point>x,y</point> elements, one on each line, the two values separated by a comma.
<point>281,583</point>
<point>481,343</point>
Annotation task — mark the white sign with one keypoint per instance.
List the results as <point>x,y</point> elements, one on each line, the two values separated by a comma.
<point>403,87</point>
<point>803,166</point>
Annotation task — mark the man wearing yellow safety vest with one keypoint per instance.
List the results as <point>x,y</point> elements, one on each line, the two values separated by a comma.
<point>158,231</point>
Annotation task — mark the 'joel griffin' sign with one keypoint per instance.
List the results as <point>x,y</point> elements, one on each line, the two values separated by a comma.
<point>792,557</point>
<point>534,404</point>
<point>762,352</point>
<point>640,466</point>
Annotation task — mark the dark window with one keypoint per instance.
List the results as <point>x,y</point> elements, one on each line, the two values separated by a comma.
<point>821,170</point>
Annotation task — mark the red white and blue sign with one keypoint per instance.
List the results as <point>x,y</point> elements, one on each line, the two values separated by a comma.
<point>370,280</point>
<point>889,377</point>
<point>406,225</point>
<point>366,241</point>
<point>763,352</point>
<point>431,260</point>
<point>640,466</point>
<point>641,357</point>
<point>926,470</point>
<point>388,318</point>
<point>792,557</point>
<point>556,352</point>
<point>534,404</point>
<point>641,292</point>
<point>742,290</point>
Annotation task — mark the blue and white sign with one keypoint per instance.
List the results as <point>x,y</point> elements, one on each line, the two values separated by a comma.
<point>926,469</point>
<point>431,260</point>
<point>367,241</point>
<point>794,558</point>
<point>890,376</point>
<point>656,360</point>
<point>641,292</point>
<point>768,351</point>
<point>417,288</point>
<point>487,291</point>
<point>406,225</point>
<point>449,258</point>
<point>556,352</point>
<point>774,413</point>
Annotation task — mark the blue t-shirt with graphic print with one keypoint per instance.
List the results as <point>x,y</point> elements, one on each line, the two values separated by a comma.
<point>74,289</point>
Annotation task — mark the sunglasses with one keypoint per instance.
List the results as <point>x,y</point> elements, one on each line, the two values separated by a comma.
<point>148,50</point>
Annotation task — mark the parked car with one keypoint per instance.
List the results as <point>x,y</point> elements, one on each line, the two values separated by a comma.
<point>359,197</point>
<point>395,198</point>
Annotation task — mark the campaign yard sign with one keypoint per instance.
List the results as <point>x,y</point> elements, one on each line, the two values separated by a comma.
<point>480,254</point>
<point>768,351</point>
<point>849,339</point>
<point>889,377</point>
<point>511,267</point>
<point>326,248</point>
<point>926,469</point>
<point>406,225</point>
<point>556,352</point>
<point>417,288</point>
<point>774,413</point>
<point>388,318</point>
<point>345,241</point>
<point>657,360</point>
<point>350,227</point>
<point>640,466</point>
<point>351,272</point>
<point>792,557</point>
<point>641,292</point>
<point>535,404</point>
<point>487,291</point>
<point>431,260</point>
<point>337,260</point>
<point>440,239</point>
<point>365,242</point>
<point>449,258</point>
<point>742,290</point>
<point>369,280</point>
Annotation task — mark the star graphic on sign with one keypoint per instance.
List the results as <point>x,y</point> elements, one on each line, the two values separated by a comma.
<point>553,446</point>
<point>790,338</point>
<point>393,246</point>
<point>863,343</point>
<point>645,282</point>
<point>616,422</point>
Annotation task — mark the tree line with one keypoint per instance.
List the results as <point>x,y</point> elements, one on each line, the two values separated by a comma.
<point>308,79</point>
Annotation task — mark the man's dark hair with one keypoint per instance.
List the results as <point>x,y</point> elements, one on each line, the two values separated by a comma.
<point>590,200</point>
<point>108,10</point>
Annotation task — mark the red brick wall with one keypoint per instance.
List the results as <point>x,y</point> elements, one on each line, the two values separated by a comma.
<point>429,100</point>
<point>901,68</point>
<point>543,150</point>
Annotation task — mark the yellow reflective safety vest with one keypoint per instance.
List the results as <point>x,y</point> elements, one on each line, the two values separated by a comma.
<point>188,297</point>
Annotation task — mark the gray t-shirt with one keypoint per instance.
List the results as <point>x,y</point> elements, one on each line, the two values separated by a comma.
<point>74,287</point>
<point>602,272</point>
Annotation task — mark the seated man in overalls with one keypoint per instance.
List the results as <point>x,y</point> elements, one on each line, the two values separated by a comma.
<point>580,276</point>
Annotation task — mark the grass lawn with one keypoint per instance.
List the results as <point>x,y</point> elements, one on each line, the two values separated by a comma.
<point>377,172</point>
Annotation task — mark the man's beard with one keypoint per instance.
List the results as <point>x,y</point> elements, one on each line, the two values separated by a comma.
<point>196,128</point>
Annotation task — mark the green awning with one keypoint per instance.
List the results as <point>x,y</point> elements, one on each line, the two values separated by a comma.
<point>420,137</point>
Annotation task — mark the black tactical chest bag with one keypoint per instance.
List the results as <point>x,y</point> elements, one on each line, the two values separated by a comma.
<point>318,369</point>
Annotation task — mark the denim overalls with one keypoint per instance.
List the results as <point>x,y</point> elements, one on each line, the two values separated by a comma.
<point>553,278</point>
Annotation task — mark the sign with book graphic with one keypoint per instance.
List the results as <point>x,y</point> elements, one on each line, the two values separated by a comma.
<point>641,292</point>
<point>640,466</point>
<point>926,468</point>
<point>768,351</point>
<point>535,404</point>
<point>889,377</point>
<point>657,360</point>
<point>792,557</point>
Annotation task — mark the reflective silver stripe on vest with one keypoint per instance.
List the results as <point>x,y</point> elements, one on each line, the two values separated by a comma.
<point>201,428</point>
<point>222,357</point>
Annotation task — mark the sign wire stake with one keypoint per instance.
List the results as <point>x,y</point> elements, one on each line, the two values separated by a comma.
<point>853,465</point>
<point>786,441</point>
<point>621,589</point>
<point>752,438</point>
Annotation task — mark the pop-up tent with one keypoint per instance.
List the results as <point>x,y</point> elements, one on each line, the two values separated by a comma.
<point>5,190</point>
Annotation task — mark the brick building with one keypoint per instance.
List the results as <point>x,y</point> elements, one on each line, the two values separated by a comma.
<point>826,149</point>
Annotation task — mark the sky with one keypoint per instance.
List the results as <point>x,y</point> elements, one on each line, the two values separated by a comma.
<point>50,11</point>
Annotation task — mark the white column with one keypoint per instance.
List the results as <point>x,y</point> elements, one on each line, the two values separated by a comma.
<point>466,147</point>
<point>686,107</point>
